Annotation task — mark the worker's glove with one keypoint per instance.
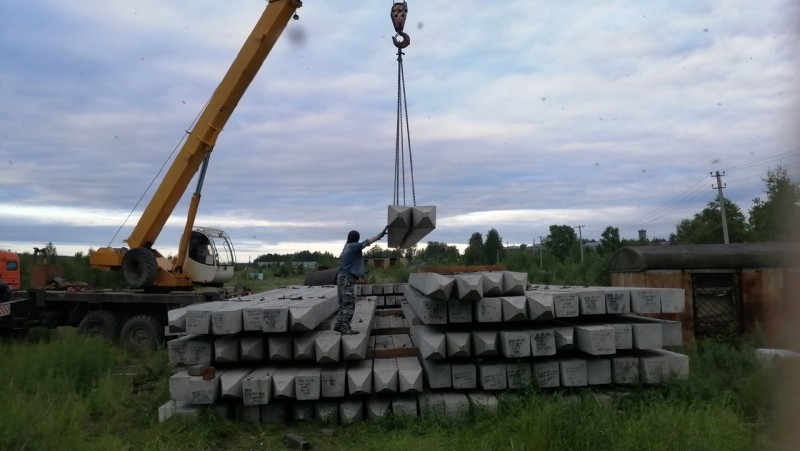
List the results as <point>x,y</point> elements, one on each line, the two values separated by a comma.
<point>383,232</point>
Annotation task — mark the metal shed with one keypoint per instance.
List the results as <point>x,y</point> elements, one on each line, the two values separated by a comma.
<point>730,288</point>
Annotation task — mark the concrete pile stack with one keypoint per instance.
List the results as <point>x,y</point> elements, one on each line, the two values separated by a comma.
<point>492,331</point>
<point>438,344</point>
<point>272,356</point>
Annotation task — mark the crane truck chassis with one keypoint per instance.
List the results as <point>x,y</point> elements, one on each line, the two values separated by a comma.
<point>132,317</point>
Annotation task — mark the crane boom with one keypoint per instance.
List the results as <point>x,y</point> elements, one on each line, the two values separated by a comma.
<point>196,149</point>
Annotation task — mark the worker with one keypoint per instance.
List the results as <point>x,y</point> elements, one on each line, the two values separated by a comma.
<point>351,268</point>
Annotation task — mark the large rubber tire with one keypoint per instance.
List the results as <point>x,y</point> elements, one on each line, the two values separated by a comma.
<point>99,322</point>
<point>141,333</point>
<point>139,267</point>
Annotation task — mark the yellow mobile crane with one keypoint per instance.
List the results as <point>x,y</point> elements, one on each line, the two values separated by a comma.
<point>205,255</point>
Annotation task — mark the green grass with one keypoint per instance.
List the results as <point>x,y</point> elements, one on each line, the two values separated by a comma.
<point>74,393</point>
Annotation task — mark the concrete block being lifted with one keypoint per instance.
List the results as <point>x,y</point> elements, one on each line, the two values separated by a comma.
<point>408,225</point>
<point>423,222</point>
<point>399,223</point>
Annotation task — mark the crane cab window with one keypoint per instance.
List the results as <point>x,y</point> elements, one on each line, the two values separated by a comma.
<point>200,249</point>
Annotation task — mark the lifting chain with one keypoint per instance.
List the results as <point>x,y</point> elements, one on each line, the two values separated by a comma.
<point>402,134</point>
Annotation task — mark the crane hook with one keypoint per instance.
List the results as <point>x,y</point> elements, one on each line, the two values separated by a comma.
<point>401,44</point>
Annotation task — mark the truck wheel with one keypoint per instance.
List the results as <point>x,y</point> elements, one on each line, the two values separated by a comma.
<point>139,267</point>
<point>99,322</point>
<point>141,332</point>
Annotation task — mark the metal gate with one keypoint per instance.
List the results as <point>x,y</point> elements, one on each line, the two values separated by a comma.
<point>717,304</point>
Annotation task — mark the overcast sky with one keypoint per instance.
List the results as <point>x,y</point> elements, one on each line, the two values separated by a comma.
<point>522,114</point>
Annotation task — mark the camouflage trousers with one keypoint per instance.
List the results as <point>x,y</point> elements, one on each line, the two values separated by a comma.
<point>347,299</point>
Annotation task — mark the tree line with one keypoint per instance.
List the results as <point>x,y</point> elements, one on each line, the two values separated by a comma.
<point>560,258</point>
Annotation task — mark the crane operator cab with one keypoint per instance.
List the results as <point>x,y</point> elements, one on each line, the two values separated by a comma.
<point>210,258</point>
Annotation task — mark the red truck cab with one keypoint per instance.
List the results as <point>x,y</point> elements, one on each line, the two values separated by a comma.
<point>9,269</point>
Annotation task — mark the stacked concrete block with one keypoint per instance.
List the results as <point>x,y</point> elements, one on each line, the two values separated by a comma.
<point>567,336</point>
<point>408,225</point>
<point>441,344</point>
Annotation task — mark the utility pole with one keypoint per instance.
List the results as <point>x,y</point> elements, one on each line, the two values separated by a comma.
<point>580,239</point>
<point>541,250</point>
<point>721,200</point>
